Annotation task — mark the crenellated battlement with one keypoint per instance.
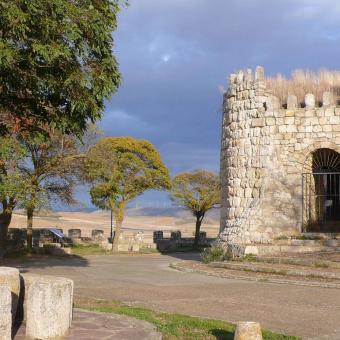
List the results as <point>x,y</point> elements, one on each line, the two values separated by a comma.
<point>249,99</point>
<point>245,85</point>
<point>247,76</point>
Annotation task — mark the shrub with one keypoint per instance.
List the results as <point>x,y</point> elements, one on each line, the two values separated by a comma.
<point>214,253</point>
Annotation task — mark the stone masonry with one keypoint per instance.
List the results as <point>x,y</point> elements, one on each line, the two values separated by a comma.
<point>265,148</point>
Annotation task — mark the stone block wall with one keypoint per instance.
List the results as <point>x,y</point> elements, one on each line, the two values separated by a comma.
<point>265,148</point>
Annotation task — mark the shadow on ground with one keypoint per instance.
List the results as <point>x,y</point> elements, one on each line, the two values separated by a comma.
<point>44,261</point>
<point>221,334</point>
<point>185,255</point>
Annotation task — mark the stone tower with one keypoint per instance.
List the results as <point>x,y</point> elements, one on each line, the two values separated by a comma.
<point>270,160</point>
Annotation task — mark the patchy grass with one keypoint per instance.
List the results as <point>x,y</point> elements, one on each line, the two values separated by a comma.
<point>321,265</point>
<point>173,326</point>
<point>88,249</point>
<point>302,237</point>
<point>249,258</point>
<point>145,250</point>
<point>95,249</point>
<point>281,238</point>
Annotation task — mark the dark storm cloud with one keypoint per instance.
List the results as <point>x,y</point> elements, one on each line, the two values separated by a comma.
<point>174,54</point>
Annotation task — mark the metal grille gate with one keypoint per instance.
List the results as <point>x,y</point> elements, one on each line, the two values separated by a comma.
<point>321,202</point>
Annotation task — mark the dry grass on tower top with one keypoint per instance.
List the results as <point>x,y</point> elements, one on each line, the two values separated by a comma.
<point>302,82</point>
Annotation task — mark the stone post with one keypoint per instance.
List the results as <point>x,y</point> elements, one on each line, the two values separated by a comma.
<point>5,314</point>
<point>74,233</point>
<point>10,278</point>
<point>273,103</point>
<point>310,101</point>
<point>292,102</point>
<point>176,235</point>
<point>259,73</point>
<point>157,235</point>
<point>97,235</point>
<point>248,331</point>
<point>48,302</point>
<point>327,98</point>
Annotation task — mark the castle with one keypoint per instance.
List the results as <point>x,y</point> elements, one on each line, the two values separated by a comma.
<point>280,166</point>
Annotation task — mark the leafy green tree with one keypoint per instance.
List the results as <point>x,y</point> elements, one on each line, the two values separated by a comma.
<point>13,184</point>
<point>51,170</point>
<point>120,169</point>
<point>56,63</point>
<point>197,191</point>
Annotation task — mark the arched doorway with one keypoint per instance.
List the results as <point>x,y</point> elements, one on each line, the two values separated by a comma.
<point>321,191</point>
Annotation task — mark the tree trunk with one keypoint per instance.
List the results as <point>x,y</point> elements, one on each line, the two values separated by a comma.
<point>118,211</point>
<point>199,219</point>
<point>118,230</point>
<point>30,230</point>
<point>5,220</point>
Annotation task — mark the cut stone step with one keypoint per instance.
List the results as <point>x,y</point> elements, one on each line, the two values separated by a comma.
<point>298,261</point>
<point>279,269</point>
<point>272,249</point>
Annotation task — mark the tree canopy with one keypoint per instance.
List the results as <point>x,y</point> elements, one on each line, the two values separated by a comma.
<point>120,169</point>
<point>56,62</point>
<point>37,169</point>
<point>50,169</point>
<point>197,191</point>
<point>13,184</point>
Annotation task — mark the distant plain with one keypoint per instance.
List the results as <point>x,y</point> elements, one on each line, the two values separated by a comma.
<point>146,220</point>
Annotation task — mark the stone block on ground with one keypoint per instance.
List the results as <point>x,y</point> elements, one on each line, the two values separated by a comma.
<point>139,237</point>
<point>176,235</point>
<point>158,235</point>
<point>135,247</point>
<point>10,277</point>
<point>248,330</point>
<point>74,233</point>
<point>5,313</point>
<point>97,235</point>
<point>151,246</point>
<point>106,245</point>
<point>123,247</point>
<point>48,303</point>
<point>148,240</point>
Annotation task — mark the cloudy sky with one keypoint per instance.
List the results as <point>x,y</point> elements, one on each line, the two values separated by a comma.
<point>175,54</point>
